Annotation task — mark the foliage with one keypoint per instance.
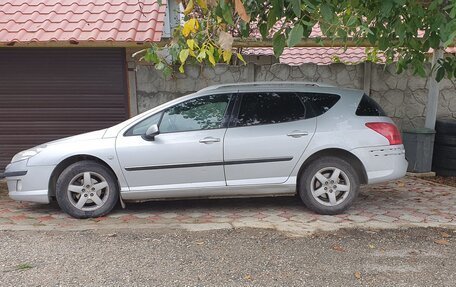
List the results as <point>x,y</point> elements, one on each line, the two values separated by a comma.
<point>399,30</point>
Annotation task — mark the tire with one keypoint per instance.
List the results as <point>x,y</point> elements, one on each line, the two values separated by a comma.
<point>309,185</point>
<point>445,151</point>
<point>83,198</point>
<point>446,126</point>
<point>444,171</point>
<point>443,162</point>
<point>445,139</point>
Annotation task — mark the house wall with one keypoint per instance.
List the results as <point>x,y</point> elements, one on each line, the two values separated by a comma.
<point>402,96</point>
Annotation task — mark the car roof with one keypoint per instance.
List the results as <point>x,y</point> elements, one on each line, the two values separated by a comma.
<point>273,85</point>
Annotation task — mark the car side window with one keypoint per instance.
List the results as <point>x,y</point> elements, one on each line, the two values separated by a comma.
<point>141,127</point>
<point>320,103</point>
<point>368,107</point>
<point>203,113</point>
<point>269,108</point>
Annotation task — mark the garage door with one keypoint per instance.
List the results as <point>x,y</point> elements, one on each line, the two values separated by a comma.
<point>48,93</point>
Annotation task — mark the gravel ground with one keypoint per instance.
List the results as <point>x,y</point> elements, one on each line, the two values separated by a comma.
<point>241,257</point>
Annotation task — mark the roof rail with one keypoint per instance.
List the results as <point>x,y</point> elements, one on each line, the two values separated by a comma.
<point>273,83</point>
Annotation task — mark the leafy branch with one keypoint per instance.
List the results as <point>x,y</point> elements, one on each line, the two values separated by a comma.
<point>402,31</point>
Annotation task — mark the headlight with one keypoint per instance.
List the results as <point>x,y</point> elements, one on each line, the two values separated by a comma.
<point>28,153</point>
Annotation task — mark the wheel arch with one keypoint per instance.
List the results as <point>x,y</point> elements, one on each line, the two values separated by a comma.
<point>69,161</point>
<point>340,153</point>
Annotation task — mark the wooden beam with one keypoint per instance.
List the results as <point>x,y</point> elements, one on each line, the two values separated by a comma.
<point>238,43</point>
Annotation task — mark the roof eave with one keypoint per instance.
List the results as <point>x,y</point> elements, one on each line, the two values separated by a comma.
<point>82,44</point>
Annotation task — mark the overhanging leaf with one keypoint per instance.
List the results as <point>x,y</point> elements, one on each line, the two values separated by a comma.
<point>263,30</point>
<point>326,12</point>
<point>202,4</point>
<point>278,42</point>
<point>225,40</point>
<point>241,58</point>
<point>440,74</point>
<point>295,35</point>
<point>189,7</point>
<point>227,14</point>
<point>183,55</point>
<point>240,9</point>
<point>296,7</point>
<point>227,56</point>
<point>210,56</point>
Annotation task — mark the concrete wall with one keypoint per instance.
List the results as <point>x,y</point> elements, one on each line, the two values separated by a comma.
<point>402,96</point>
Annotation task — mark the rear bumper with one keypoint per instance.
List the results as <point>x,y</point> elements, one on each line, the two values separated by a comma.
<point>383,163</point>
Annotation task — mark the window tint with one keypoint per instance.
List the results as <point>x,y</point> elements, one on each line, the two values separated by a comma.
<point>369,107</point>
<point>201,113</point>
<point>269,108</point>
<point>321,103</point>
<point>141,127</point>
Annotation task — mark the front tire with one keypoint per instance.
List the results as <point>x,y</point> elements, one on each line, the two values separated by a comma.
<point>329,185</point>
<point>87,189</point>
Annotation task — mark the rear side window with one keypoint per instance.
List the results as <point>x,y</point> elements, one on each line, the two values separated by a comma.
<point>269,108</point>
<point>321,103</point>
<point>369,108</point>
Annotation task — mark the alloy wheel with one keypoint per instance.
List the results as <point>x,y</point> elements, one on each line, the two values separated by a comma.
<point>88,191</point>
<point>330,186</point>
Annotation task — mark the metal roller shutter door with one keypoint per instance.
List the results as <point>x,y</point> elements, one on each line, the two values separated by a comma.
<point>51,93</point>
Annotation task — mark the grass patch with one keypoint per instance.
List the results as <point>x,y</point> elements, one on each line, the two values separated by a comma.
<point>24,266</point>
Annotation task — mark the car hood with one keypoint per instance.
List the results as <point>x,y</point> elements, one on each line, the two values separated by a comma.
<point>82,137</point>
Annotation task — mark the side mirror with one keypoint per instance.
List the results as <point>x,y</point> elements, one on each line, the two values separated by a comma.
<point>151,132</point>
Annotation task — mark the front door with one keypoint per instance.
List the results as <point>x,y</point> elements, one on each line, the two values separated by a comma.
<point>266,140</point>
<point>187,154</point>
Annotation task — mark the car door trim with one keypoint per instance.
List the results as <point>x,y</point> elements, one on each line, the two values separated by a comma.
<point>214,163</point>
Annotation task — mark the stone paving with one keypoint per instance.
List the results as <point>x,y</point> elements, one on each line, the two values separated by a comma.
<point>399,204</point>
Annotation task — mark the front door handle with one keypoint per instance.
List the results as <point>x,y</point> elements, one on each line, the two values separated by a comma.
<point>209,140</point>
<point>297,134</point>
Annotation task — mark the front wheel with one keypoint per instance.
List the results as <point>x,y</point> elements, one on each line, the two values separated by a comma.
<point>329,185</point>
<point>87,189</point>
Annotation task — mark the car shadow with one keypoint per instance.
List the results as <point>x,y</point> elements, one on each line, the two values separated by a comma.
<point>215,204</point>
<point>366,199</point>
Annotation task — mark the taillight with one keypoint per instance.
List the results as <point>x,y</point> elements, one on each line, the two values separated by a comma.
<point>388,130</point>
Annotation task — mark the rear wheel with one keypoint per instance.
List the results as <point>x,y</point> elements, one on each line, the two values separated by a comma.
<point>329,185</point>
<point>86,189</point>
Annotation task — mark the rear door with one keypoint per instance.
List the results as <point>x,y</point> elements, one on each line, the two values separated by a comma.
<point>266,137</point>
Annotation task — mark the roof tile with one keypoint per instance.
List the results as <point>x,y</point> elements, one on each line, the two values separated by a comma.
<point>81,20</point>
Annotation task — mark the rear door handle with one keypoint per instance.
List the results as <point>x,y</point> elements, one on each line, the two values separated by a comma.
<point>297,134</point>
<point>209,140</point>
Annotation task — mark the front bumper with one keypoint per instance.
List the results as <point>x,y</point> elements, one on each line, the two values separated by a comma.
<point>28,183</point>
<point>38,196</point>
<point>383,163</point>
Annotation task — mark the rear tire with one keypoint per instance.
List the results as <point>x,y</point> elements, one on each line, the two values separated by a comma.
<point>445,126</point>
<point>444,171</point>
<point>445,151</point>
<point>445,139</point>
<point>329,185</point>
<point>87,189</point>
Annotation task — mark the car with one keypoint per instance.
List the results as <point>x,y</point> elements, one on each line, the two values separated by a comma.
<point>234,140</point>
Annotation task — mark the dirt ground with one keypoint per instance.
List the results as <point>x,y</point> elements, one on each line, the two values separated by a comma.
<point>449,180</point>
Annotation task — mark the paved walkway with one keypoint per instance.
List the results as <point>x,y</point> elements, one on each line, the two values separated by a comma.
<point>404,203</point>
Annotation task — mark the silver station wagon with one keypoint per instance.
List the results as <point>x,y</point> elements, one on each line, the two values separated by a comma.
<point>236,140</point>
